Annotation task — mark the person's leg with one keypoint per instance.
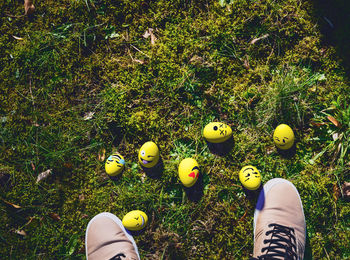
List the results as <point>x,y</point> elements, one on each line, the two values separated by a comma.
<point>279,222</point>
<point>106,238</point>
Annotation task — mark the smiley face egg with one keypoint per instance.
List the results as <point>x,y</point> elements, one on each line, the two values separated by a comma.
<point>250,177</point>
<point>188,172</point>
<point>149,154</point>
<point>135,220</point>
<point>114,164</point>
<point>216,132</point>
<point>283,137</point>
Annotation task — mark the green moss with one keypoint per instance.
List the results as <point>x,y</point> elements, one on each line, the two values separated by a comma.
<point>249,64</point>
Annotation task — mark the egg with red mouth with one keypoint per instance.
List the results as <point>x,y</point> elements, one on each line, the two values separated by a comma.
<point>188,172</point>
<point>149,154</point>
<point>135,220</point>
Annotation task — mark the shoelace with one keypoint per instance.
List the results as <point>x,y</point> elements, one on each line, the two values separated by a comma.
<point>118,257</point>
<point>281,244</point>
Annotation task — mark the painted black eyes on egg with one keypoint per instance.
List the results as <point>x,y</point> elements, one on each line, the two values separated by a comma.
<point>215,128</point>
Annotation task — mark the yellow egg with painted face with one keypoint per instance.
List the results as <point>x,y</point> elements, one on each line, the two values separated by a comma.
<point>149,154</point>
<point>216,132</point>
<point>188,172</point>
<point>283,137</point>
<point>250,177</point>
<point>114,164</point>
<point>135,220</point>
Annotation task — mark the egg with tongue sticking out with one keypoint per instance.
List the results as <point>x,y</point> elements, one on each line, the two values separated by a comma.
<point>149,154</point>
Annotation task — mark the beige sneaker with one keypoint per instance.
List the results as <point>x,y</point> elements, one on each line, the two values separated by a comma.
<point>106,238</point>
<point>279,222</point>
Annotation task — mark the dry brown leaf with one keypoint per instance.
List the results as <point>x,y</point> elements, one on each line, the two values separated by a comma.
<point>88,115</point>
<point>29,8</point>
<point>81,197</point>
<point>11,204</point>
<point>139,61</point>
<point>336,192</point>
<point>244,215</point>
<point>33,166</point>
<point>68,165</point>
<point>102,155</point>
<point>18,38</point>
<point>54,216</point>
<point>197,60</point>
<point>246,63</point>
<point>21,232</point>
<point>270,149</point>
<point>335,136</point>
<point>153,39</point>
<point>146,34</point>
<point>317,124</point>
<point>260,38</point>
<point>29,221</point>
<point>149,33</point>
<point>334,121</point>
<point>43,175</point>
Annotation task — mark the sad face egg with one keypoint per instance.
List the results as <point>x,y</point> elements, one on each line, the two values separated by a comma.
<point>250,177</point>
<point>216,132</point>
<point>135,220</point>
<point>114,164</point>
<point>149,154</point>
<point>188,172</point>
<point>283,137</point>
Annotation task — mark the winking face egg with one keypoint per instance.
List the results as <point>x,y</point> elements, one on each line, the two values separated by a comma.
<point>135,220</point>
<point>250,177</point>
<point>283,137</point>
<point>188,172</point>
<point>149,154</point>
<point>216,132</point>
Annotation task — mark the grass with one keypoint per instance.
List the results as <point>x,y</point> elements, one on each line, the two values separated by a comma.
<point>84,80</point>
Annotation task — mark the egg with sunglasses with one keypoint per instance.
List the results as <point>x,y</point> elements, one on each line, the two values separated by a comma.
<point>114,164</point>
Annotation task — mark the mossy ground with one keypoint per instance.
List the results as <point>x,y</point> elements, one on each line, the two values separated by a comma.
<point>251,64</point>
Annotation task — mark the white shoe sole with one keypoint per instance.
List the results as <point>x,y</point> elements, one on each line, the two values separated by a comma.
<point>118,222</point>
<point>268,185</point>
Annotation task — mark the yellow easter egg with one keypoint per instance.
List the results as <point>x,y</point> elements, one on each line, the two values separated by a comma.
<point>114,164</point>
<point>283,137</point>
<point>188,172</point>
<point>250,177</point>
<point>149,154</point>
<point>135,220</point>
<point>216,132</point>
